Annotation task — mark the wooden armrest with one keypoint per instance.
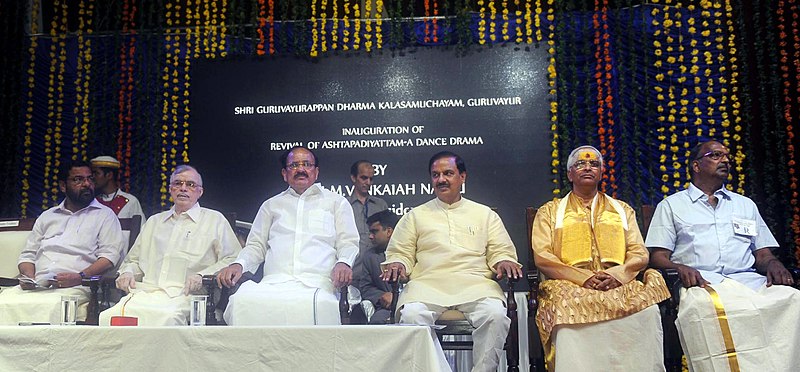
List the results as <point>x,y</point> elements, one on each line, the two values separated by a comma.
<point>8,282</point>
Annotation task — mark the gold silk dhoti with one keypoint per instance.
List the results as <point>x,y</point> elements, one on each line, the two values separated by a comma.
<point>563,302</point>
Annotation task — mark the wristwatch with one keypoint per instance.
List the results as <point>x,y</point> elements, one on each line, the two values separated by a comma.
<point>82,274</point>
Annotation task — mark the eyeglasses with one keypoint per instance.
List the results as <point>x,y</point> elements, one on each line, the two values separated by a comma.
<point>581,164</point>
<point>715,155</point>
<point>305,164</point>
<point>79,180</point>
<point>177,184</point>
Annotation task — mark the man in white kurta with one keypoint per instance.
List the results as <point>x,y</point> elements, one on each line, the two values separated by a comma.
<point>737,310</point>
<point>451,248</point>
<point>588,247</point>
<point>307,239</point>
<point>171,255</point>
<point>78,238</point>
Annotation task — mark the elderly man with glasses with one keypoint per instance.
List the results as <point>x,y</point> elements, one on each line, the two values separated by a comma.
<point>736,310</point>
<point>306,237</point>
<point>169,258</point>
<point>76,239</point>
<point>594,315</point>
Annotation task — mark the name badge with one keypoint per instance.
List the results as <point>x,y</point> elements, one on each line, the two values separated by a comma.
<point>744,226</point>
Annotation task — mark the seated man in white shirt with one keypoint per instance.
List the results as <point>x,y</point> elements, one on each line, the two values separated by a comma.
<point>737,308</point>
<point>306,237</point>
<point>76,239</point>
<point>171,255</point>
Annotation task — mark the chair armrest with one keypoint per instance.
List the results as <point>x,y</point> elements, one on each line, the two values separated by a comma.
<point>8,282</point>
<point>217,297</point>
<point>95,303</point>
<point>674,284</point>
<point>344,305</point>
<point>395,295</point>
<point>532,276</point>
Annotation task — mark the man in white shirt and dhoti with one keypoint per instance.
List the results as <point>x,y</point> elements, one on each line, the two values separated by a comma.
<point>169,258</point>
<point>77,239</point>
<point>450,248</point>
<point>594,315</point>
<point>737,310</point>
<point>307,239</point>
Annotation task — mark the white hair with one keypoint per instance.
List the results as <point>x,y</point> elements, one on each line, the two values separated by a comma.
<point>185,168</point>
<point>573,156</point>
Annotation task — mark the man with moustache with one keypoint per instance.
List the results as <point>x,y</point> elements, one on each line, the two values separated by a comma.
<point>450,248</point>
<point>171,255</point>
<point>737,309</point>
<point>307,239</point>
<point>590,250</point>
<point>77,239</point>
<point>369,281</point>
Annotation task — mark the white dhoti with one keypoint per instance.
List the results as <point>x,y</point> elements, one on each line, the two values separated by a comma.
<point>43,306</point>
<point>487,315</point>
<point>152,308</point>
<point>287,303</point>
<point>729,324</point>
<point>630,343</point>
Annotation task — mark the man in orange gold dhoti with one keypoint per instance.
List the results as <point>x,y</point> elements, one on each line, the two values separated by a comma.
<point>594,315</point>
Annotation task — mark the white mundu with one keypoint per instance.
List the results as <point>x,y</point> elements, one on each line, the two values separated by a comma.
<point>172,247</point>
<point>299,238</point>
<point>756,330</point>
<point>62,242</point>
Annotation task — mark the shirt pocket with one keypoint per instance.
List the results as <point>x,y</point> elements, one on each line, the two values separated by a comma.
<point>471,238</point>
<point>321,223</point>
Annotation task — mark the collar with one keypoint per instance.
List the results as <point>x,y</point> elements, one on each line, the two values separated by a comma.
<point>94,204</point>
<point>455,205</point>
<point>110,196</point>
<point>353,198</point>
<point>313,189</point>
<point>193,212</point>
<point>695,193</point>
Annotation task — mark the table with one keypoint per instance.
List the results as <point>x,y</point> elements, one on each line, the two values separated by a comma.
<point>312,348</point>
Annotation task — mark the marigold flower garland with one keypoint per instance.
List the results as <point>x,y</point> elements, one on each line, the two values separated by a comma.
<point>551,90</point>
<point>739,155</point>
<point>55,110</point>
<point>82,78</point>
<point>790,107</point>
<point>125,115</point>
<point>346,26</point>
<point>26,142</point>
<point>367,25</point>
<point>658,63</point>
<point>262,21</point>
<point>335,26</point>
<point>481,23</point>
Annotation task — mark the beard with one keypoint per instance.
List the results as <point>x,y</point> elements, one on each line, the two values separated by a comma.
<point>81,197</point>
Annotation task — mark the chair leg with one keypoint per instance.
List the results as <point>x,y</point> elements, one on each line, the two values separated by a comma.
<point>512,340</point>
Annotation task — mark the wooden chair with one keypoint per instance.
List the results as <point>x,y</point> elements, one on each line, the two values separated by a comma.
<point>103,286</point>
<point>673,352</point>
<point>535,350</point>
<point>455,324</point>
<point>13,236</point>
<point>218,298</point>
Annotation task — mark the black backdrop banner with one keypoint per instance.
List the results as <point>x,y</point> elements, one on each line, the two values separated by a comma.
<point>490,106</point>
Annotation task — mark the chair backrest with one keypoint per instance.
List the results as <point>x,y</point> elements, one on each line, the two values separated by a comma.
<point>647,216</point>
<point>133,225</point>
<point>13,235</point>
